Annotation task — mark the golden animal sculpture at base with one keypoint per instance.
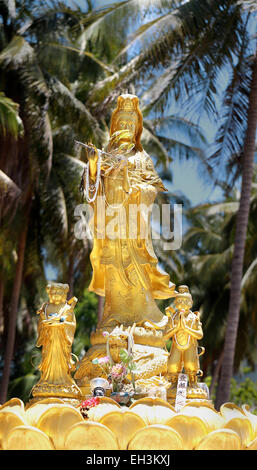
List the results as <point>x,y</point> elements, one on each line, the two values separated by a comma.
<point>56,328</point>
<point>125,267</point>
<point>150,359</point>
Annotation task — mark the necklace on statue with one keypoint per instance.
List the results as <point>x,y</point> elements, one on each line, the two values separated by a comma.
<point>93,188</point>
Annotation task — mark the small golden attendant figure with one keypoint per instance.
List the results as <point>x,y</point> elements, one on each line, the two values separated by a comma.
<point>56,329</point>
<point>186,330</point>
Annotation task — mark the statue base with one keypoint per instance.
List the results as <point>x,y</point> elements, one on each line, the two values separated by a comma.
<point>65,400</point>
<point>202,401</point>
<point>47,390</point>
<point>199,393</point>
<point>193,393</point>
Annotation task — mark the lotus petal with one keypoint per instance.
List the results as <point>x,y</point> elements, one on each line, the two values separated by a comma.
<point>15,404</point>
<point>220,439</point>
<point>252,445</point>
<point>123,424</point>
<point>191,428</point>
<point>156,437</point>
<point>230,410</point>
<point>251,417</point>
<point>242,426</point>
<point>90,436</point>
<point>9,420</point>
<point>97,412</point>
<point>153,410</point>
<point>34,411</point>
<point>56,422</point>
<point>212,419</point>
<point>27,438</point>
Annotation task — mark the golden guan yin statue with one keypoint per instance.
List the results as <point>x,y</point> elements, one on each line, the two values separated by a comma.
<point>125,267</point>
<point>56,329</point>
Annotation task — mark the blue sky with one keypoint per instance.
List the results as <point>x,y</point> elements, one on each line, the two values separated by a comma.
<point>186,179</point>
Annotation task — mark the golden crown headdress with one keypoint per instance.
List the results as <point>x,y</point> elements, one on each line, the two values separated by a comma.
<point>128,104</point>
<point>183,293</point>
<point>57,287</point>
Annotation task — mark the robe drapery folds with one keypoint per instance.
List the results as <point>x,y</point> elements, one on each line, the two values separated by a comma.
<point>56,339</point>
<point>125,213</point>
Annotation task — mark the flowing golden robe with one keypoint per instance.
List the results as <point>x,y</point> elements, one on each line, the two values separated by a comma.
<point>125,269</point>
<point>55,336</point>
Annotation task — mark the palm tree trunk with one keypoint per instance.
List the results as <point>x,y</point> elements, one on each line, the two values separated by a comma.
<point>11,331</point>
<point>239,248</point>
<point>1,306</point>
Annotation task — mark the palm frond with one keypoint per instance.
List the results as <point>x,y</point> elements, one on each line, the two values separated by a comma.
<point>20,58</point>
<point>149,34</point>
<point>194,59</point>
<point>106,68</point>
<point>153,146</point>
<point>213,264</point>
<point>106,91</point>
<point>10,121</point>
<point>54,211</point>
<point>96,27</point>
<point>248,5</point>
<point>11,8</point>
<point>10,195</point>
<point>226,207</point>
<point>247,277</point>
<point>17,53</point>
<point>230,135</point>
<point>63,99</point>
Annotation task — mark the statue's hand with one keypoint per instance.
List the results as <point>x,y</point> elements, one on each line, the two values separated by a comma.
<point>72,302</point>
<point>92,156</point>
<point>182,319</point>
<point>92,153</point>
<point>134,190</point>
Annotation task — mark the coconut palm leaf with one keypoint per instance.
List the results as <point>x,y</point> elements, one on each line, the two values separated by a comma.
<point>249,272</point>
<point>106,68</point>
<point>248,5</point>
<point>53,209</point>
<point>163,26</point>
<point>153,146</point>
<point>117,16</point>
<point>18,52</point>
<point>229,138</point>
<point>10,121</point>
<point>10,195</point>
<point>19,57</point>
<point>195,55</point>
<point>62,99</point>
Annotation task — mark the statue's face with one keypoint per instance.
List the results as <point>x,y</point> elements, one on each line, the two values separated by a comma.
<point>56,297</point>
<point>126,122</point>
<point>183,303</point>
